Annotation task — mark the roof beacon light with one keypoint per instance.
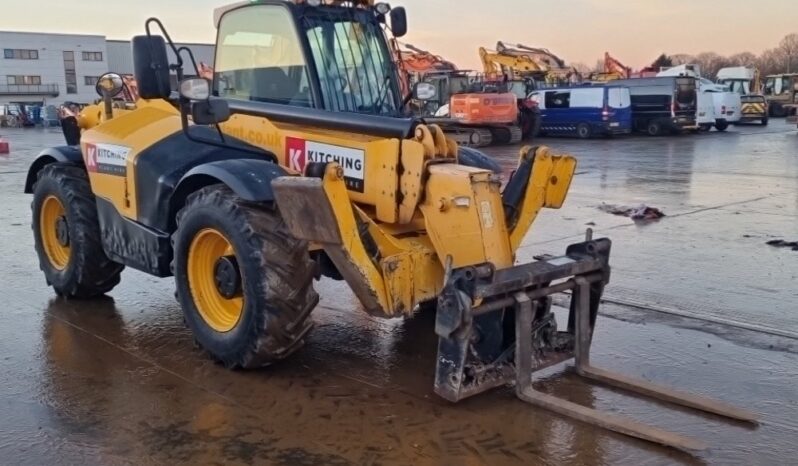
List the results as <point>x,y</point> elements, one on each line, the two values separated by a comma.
<point>382,8</point>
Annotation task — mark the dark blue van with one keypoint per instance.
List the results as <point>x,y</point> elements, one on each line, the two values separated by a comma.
<point>584,111</point>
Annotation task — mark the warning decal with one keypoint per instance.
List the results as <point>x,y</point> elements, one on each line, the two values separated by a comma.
<point>300,152</point>
<point>109,159</point>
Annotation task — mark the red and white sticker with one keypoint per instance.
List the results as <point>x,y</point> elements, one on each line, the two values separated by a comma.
<point>300,152</point>
<point>109,159</point>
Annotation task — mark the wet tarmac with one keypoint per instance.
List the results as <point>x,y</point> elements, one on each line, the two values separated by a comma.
<point>118,381</point>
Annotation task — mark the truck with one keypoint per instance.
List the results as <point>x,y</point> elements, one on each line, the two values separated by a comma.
<point>747,83</point>
<point>662,104</point>
<point>717,105</point>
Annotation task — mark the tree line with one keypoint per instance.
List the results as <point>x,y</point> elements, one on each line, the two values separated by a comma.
<point>780,59</point>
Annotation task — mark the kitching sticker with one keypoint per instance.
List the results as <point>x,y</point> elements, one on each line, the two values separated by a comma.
<point>109,159</point>
<point>300,152</point>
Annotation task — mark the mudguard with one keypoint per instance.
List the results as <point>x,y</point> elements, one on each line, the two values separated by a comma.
<point>250,179</point>
<point>64,154</point>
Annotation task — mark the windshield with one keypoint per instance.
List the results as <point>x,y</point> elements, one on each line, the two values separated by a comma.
<point>353,62</point>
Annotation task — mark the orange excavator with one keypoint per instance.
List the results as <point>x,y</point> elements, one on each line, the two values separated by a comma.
<point>613,69</point>
<point>470,110</point>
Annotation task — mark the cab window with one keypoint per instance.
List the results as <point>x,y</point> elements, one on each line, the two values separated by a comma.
<point>259,57</point>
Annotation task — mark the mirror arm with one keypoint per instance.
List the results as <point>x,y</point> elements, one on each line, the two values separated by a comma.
<point>108,104</point>
<point>184,104</point>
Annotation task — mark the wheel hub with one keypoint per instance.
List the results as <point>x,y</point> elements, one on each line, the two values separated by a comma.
<point>62,231</point>
<point>227,277</point>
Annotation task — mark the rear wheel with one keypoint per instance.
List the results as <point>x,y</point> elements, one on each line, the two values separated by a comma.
<point>244,283</point>
<point>583,131</point>
<point>654,128</point>
<point>66,233</point>
<point>721,125</point>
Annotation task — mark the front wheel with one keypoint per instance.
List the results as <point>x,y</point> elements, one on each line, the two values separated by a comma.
<point>66,234</point>
<point>244,282</point>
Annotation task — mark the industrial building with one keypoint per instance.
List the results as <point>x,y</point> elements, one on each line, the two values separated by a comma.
<point>39,69</point>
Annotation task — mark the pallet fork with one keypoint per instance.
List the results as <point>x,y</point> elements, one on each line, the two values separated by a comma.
<point>477,301</point>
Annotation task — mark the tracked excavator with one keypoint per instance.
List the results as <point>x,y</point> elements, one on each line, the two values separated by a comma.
<point>469,110</point>
<point>287,166</point>
<point>613,69</point>
<point>521,61</point>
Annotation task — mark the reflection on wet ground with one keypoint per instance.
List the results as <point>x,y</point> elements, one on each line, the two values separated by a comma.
<point>118,381</point>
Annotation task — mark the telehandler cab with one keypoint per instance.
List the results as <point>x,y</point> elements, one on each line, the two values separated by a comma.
<point>296,162</point>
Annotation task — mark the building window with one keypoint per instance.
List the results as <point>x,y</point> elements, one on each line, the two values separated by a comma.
<point>90,80</point>
<point>20,79</point>
<point>69,72</point>
<point>92,56</point>
<point>21,54</point>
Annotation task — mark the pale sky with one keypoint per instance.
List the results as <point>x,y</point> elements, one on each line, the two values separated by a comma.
<point>634,31</point>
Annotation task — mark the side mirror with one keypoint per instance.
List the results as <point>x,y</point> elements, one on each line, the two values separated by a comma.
<point>109,85</point>
<point>195,89</point>
<point>204,110</point>
<point>424,91</point>
<point>210,112</point>
<point>398,21</point>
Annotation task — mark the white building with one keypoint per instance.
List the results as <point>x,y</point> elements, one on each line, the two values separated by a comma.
<point>49,69</point>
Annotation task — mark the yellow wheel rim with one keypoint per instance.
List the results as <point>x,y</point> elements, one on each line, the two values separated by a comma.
<point>54,233</point>
<point>219,312</point>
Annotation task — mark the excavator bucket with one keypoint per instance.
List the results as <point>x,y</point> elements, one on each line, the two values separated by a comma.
<point>477,302</point>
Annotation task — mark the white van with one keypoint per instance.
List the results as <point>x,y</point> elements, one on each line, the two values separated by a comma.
<point>727,105</point>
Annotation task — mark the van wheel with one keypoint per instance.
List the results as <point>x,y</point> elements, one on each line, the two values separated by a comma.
<point>654,128</point>
<point>721,125</point>
<point>583,131</point>
<point>705,128</point>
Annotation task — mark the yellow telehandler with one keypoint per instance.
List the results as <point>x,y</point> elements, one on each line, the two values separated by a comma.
<point>296,161</point>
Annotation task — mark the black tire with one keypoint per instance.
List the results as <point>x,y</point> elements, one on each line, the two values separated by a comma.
<point>721,125</point>
<point>88,272</point>
<point>777,110</point>
<point>705,128</point>
<point>583,131</point>
<point>471,157</point>
<point>654,128</point>
<point>764,121</point>
<point>276,275</point>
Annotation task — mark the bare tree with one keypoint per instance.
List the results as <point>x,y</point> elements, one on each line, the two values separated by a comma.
<point>682,58</point>
<point>747,59</point>
<point>789,46</point>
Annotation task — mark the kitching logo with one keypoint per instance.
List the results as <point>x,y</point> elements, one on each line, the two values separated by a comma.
<point>300,152</point>
<point>109,159</point>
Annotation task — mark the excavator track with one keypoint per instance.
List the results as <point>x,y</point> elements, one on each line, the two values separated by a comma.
<point>506,134</point>
<point>470,137</point>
